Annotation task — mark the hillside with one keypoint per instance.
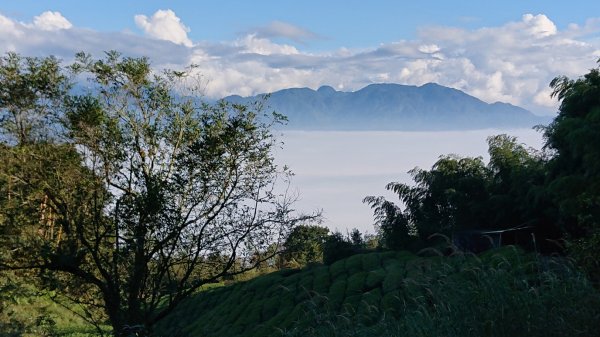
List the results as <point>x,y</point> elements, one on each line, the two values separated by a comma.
<point>502,293</point>
<point>27,311</point>
<point>392,107</point>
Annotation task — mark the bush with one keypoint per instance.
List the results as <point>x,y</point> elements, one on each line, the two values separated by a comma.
<point>586,253</point>
<point>337,247</point>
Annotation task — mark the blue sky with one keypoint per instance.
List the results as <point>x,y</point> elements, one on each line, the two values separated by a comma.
<point>349,23</point>
<point>497,51</point>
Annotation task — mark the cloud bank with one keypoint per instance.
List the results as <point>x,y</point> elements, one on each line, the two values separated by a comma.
<point>513,62</point>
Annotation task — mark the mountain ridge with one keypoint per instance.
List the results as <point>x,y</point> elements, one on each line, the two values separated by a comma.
<point>391,106</point>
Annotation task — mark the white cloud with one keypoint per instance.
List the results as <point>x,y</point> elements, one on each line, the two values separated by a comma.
<point>51,21</point>
<point>253,44</point>
<point>429,48</point>
<point>8,27</point>
<point>283,29</point>
<point>543,97</point>
<point>539,25</point>
<point>164,25</point>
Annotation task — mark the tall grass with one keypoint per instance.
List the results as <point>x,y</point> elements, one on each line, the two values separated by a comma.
<point>504,293</point>
<point>500,293</point>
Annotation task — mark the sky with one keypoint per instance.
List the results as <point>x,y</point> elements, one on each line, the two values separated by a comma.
<point>505,51</point>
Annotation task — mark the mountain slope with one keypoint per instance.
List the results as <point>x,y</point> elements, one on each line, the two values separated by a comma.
<point>501,293</point>
<point>392,107</point>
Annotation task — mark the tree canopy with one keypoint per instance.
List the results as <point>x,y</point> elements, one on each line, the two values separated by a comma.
<point>463,193</point>
<point>136,193</point>
<point>574,170</point>
<point>304,245</point>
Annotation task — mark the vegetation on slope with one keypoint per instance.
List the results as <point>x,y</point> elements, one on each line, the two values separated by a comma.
<point>501,293</point>
<point>28,311</point>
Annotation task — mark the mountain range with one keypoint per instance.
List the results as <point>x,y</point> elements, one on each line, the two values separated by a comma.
<point>389,106</point>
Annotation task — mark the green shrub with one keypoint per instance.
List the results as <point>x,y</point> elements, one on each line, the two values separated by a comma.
<point>586,253</point>
<point>371,261</point>
<point>337,292</point>
<point>374,278</point>
<point>354,264</point>
<point>393,279</point>
<point>356,284</point>
<point>321,280</point>
<point>337,269</point>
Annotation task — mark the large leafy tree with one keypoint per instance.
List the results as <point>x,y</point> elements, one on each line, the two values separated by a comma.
<point>143,193</point>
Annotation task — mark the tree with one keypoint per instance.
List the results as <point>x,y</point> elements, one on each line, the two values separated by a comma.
<point>356,238</point>
<point>463,193</point>
<point>518,193</point>
<point>337,246</point>
<point>143,186</point>
<point>31,91</point>
<point>304,245</point>
<point>392,226</point>
<point>574,170</point>
<point>448,197</point>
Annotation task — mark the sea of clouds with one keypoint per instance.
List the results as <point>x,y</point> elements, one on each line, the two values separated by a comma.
<point>335,170</point>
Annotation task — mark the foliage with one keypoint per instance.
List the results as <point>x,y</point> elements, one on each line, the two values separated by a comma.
<point>502,293</point>
<point>393,227</point>
<point>463,193</point>
<point>138,193</point>
<point>337,246</point>
<point>304,245</point>
<point>586,252</point>
<point>32,89</point>
<point>31,312</point>
<point>575,168</point>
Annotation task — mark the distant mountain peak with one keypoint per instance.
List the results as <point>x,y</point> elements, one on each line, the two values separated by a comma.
<point>391,106</point>
<point>432,84</point>
<point>325,89</point>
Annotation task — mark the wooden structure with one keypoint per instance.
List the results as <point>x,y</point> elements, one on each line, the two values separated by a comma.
<point>476,241</point>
